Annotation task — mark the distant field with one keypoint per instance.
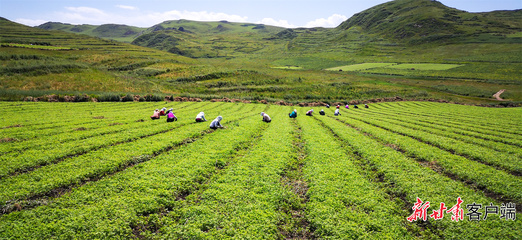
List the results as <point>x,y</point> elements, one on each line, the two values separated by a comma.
<point>362,66</point>
<point>425,66</point>
<point>515,35</point>
<point>288,67</point>
<point>42,47</point>
<point>414,66</point>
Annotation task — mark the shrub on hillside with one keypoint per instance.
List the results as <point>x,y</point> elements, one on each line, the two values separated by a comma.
<point>108,97</point>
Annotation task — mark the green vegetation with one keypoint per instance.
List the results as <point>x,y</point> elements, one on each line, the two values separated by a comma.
<point>425,66</point>
<point>361,66</point>
<point>106,170</point>
<point>439,53</point>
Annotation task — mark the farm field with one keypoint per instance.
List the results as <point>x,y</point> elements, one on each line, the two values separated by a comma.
<point>407,66</point>
<point>106,170</point>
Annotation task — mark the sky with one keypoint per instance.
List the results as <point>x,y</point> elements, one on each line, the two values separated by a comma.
<point>146,13</point>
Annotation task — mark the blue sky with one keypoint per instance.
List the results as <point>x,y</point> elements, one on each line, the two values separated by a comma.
<point>285,13</point>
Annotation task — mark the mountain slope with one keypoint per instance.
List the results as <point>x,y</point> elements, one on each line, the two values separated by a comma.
<point>415,19</point>
<point>118,32</point>
<point>34,61</point>
<point>208,39</point>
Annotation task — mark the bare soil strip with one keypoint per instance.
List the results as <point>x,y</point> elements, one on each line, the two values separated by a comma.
<point>292,178</point>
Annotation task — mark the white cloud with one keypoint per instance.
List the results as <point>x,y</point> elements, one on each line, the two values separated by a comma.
<point>30,22</point>
<point>83,15</point>
<point>89,15</point>
<point>196,16</point>
<point>85,10</point>
<point>279,23</point>
<point>332,21</point>
<point>127,7</point>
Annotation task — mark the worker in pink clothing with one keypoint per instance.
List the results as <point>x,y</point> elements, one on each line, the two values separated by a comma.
<point>310,112</point>
<point>171,117</point>
<point>156,115</point>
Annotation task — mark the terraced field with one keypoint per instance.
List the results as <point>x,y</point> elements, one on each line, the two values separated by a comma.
<point>106,170</point>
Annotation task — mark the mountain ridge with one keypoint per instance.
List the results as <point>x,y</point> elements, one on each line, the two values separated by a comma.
<point>255,61</point>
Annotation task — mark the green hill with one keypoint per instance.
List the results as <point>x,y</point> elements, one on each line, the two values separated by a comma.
<point>117,32</point>
<point>36,62</point>
<point>403,49</point>
<point>207,39</point>
<point>430,20</point>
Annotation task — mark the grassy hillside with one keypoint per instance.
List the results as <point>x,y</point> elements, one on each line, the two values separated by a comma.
<point>428,20</point>
<point>36,62</point>
<point>207,39</point>
<point>122,33</point>
<point>255,62</point>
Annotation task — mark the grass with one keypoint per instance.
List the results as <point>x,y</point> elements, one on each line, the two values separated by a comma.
<point>97,173</point>
<point>425,66</point>
<point>289,67</point>
<point>361,66</point>
<point>374,65</point>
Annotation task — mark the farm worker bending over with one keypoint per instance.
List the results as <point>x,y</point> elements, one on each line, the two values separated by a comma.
<point>216,123</point>
<point>162,112</point>
<point>156,114</point>
<point>170,110</point>
<point>309,113</point>
<point>266,118</point>
<point>322,112</point>
<point>347,106</point>
<point>355,106</point>
<point>366,106</point>
<point>201,117</point>
<point>171,117</point>
<point>293,114</point>
<point>327,105</point>
<point>337,107</point>
<point>337,113</point>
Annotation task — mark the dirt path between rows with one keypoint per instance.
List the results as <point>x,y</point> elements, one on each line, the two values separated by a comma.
<point>497,95</point>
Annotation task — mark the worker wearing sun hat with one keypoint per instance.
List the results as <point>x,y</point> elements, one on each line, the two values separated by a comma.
<point>171,117</point>
<point>201,117</point>
<point>266,118</point>
<point>293,114</point>
<point>156,114</point>
<point>216,123</point>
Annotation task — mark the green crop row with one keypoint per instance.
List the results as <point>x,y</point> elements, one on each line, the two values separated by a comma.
<point>440,125</point>
<point>501,147</point>
<point>57,150</point>
<point>118,205</point>
<point>479,125</point>
<point>80,132</point>
<point>485,177</point>
<point>501,120</point>
<point>247,200</point>
<point>46,116</point>
<point>342,203</point>
<point>500,159</point>
<point>97,163</point>
<point>411,180</point>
